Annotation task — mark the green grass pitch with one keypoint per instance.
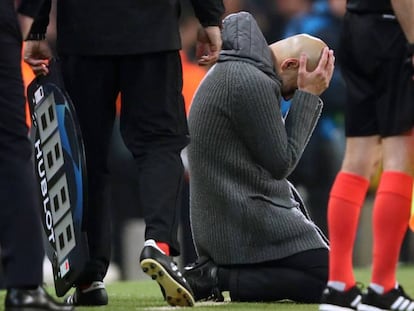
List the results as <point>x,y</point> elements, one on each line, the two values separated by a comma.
<point>146,295</point>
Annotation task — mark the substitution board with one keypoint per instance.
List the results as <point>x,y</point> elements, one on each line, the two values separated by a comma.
<point>61,176</point>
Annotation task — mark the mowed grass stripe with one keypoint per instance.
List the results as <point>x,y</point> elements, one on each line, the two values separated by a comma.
<point>146,295</point>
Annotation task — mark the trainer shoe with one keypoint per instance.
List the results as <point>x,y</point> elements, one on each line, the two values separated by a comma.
<point>162,269</point>
<point>396,299</point>
<point>18,299</point>
<point>335,300</point>
<point>203,280</point>
<point>93,295</point>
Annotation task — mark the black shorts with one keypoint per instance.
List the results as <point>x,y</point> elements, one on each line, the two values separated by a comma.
<point>380,91</point>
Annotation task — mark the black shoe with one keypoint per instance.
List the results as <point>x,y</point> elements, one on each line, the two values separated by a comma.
<point>203,280</point>
<point>32,300</point>
<point>395,299</point>
<point>93,295</point>
<point>335,300</point>
<point>162,269</point>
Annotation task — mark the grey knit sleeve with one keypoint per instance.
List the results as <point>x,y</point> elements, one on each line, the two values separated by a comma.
<point>274,145</point>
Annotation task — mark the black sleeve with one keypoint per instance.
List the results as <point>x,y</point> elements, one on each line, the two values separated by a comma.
<point>30,7</point>
<point>208,12</point>
<point>41,19</point>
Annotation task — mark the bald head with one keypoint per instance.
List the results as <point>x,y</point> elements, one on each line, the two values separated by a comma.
<point>293,46</point>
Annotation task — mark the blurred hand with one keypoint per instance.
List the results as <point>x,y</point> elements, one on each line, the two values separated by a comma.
<point>208,45</point>
<point>37,54</point>
<point>317,81</point>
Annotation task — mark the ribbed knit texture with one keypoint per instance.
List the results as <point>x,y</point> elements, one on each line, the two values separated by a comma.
<point>240,154</point>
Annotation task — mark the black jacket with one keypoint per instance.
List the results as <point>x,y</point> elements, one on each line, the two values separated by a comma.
<point>370,6</point>
<point>8,14</point>
<point>122,27</point>
<point>26,7</point>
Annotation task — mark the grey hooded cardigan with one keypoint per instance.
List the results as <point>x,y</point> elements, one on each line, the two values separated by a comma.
<point>241,152</point>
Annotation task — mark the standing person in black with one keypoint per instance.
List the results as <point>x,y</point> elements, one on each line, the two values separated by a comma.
<point>131,47</point>
<point>377,65</point>
<point>20,224</point>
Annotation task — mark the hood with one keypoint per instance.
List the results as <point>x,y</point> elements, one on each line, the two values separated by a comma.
<point>243,40</point>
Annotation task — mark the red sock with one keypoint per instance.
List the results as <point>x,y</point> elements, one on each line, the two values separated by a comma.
<point>345,201</point>
<point>390,222</point>
<point>164,247</point>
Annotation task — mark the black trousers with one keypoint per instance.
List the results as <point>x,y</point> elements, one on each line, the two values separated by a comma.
<point>300,278</point>
<point>376,103</point>
<point>21,242</point>
<point>154,128</point>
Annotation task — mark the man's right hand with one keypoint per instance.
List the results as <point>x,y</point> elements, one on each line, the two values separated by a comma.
<point>208,45</point>
<point>37,54</point>
<point>317,81</point>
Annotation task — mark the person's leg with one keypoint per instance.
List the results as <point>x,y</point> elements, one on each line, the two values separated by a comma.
<point>92,84</point>
<point>362,151</point>
<point>346,199</point>
<point>393,198</point>
<point>391,214</point>
<point>154,128</point>
<point>300,278</point>
<point>20,223</point>
<point>392,209</point>
<point>344,209</point>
